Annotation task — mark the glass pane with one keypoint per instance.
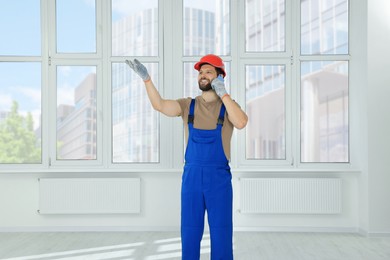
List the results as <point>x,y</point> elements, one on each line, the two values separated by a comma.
<point>135,124</point>
<point>20,28</point>
<point>266,108</point>
<point>135,28</point>
<point>20,112</point>
<point>76,112</point>
<point>324,111</point>
<point>76,26</point>
<point>324,27</point>
<point>206,27</point>
<point>265,25</point>
<point>191,86</point>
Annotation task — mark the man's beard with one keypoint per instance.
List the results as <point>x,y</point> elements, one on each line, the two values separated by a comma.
<point>205,87</point>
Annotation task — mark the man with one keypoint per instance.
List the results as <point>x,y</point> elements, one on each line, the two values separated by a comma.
<point>206,181</point>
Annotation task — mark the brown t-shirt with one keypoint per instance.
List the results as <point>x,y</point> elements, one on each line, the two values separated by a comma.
<point>206,117</point>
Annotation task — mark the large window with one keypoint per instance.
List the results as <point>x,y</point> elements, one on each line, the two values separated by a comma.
<point>20,82</point>
<point>76,26</point>
<point>76,112</point>
<point>69,99</point>
<point>265,105</point>
<point>324,84</point>
<point>135,28</point>
<point>73,70</point>
<point>135,125</point>
<point>20,28</point>
<point>265,22</point>
<point>266,83</point>
<point>206,27</point>
<point>20,112</point>
<point>324,27</point>
<point>324,111</point>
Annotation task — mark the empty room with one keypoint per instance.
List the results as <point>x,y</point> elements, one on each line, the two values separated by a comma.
<point>181,129</point>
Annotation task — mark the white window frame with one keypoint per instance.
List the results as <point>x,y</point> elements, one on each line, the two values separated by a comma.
<point>323,165</point>
<point>27,167</point>
<point>53,161</point>
<point>245,163</point>
<point>170,60</point>
<point>165,133</point>
<point>352,108</point>
<point>292,58</point>
<point>286,59</point>
<point>54,60</point>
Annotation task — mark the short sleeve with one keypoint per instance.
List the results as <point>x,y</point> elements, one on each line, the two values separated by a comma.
<point>184,105</point>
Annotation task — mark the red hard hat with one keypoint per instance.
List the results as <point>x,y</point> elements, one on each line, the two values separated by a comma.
<point>213,60</point>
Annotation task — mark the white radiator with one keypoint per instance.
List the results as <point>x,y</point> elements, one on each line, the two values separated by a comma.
<point>89,195</point>
<point>290,195</point>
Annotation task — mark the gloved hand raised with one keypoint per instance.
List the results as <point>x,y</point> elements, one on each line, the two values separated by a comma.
<point>139,68</point>
<point>219,86</point>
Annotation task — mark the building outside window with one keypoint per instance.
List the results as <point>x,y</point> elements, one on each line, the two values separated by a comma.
<point>261,75</point>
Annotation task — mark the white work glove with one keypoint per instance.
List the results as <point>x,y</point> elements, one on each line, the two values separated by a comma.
<point>219,86</point>
<point>139,68</point>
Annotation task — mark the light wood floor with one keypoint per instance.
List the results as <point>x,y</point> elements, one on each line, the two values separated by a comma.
<point>166,245</point>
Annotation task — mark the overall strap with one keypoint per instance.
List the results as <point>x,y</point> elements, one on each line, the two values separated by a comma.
<point>191,112</point>
<point>221,117</point>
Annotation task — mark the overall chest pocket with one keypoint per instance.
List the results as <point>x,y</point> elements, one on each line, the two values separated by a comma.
<point>203,139</point>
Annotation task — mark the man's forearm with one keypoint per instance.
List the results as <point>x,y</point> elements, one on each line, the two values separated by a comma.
<point>167,107</point>
<point>154,95</point>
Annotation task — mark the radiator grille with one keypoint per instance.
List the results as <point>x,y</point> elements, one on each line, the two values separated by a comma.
<point>290,195</point>
<point>89,195</point>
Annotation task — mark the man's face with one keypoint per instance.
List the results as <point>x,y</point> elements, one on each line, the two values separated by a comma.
<point>206,74</point>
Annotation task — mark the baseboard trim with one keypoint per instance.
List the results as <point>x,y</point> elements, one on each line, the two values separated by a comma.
<point>88,229</point>
<point>177,229</point>
<point>298,229</point>
<point>365,233</point>
<point>378,234</point>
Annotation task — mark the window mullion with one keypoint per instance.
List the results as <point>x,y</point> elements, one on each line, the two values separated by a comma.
<point>105,108</point>
<point>172,70</point>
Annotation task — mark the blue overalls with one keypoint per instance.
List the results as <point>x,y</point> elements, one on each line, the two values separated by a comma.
<point>206,185</point>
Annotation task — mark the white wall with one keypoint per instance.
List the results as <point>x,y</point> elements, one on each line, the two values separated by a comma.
<point>378,115</point>
<point>160,207</point>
